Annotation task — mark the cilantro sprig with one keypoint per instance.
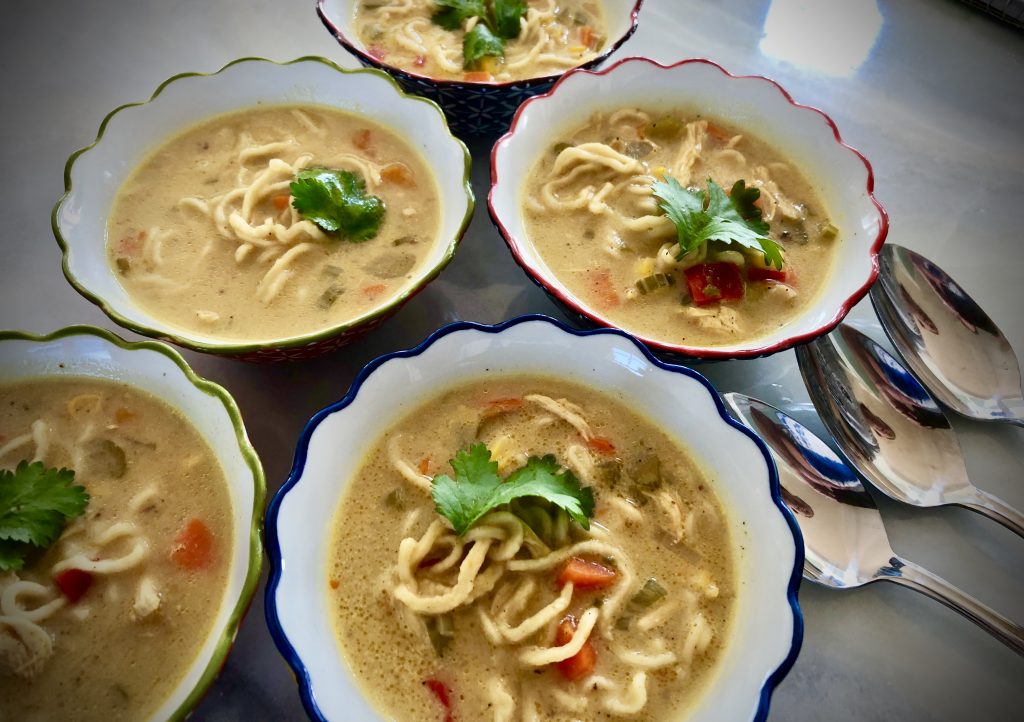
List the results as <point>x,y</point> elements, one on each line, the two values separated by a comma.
<point>477,489</point>
<point>337,201</point>
<point>498,22</point>
<point>702,216</point>
<point>35,504</point>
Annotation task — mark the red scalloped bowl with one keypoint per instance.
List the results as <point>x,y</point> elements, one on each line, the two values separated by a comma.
<point>805,135</point>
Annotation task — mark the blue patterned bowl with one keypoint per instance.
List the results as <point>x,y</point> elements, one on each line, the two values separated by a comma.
<point>473,108</point>
<point>767,629</point>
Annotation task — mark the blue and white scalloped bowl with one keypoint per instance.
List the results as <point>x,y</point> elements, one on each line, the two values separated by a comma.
<point>767,628</point>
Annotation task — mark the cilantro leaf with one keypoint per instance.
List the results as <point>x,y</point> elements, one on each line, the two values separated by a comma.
<point>506,17</point>
<point>336,200</point>
<point>702,216</point>
<point>479,43</point>
<point>35,503</point>
<point>451,14</point>
<point>477,489</point>
<point>13,554</point>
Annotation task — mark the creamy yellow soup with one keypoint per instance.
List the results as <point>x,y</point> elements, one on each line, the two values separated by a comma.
<point>155,542</point>
<point>554,35</point>
<point>432,624</point>
<point>590,212</point>
<point>203,235</point>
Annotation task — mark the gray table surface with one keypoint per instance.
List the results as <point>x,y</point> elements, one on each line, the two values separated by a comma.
<point>930,90</point>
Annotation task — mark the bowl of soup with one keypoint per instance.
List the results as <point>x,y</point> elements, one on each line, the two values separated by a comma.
<point>266,211</point>
<point>708,214</point>
<point>131,545</point>
<point>524,521</point>
<point>479,59</point>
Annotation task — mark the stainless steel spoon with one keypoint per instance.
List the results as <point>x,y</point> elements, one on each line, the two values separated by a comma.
<point>889,427</point>
<point>949,343</point>
<point>845,544</point>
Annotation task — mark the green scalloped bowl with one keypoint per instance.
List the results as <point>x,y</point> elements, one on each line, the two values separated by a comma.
<point>159,370</point>
<point>93,175</point>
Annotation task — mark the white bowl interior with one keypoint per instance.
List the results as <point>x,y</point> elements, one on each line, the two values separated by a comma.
<point>155,373</point>
<point>762,633</point>
<point>133,133</point>
<point>340,13</point>
<point>800,134</point>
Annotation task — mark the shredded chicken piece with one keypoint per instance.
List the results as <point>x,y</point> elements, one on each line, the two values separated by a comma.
<point>565,410</point>
<point>689,151</point>
<point>147,599</point>
<point>24,647</point>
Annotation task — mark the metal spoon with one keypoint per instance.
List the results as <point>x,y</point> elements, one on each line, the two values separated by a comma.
<point>889,427</point>
<point>946,339</point>
<point>845,544</point>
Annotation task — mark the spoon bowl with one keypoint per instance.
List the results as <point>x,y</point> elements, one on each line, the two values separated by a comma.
<point>890,428</point>
<point>946,339</point>
<point>845,543</point>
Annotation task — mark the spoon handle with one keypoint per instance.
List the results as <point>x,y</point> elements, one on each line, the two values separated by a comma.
<point>996,509</point>
<point>910,575</point>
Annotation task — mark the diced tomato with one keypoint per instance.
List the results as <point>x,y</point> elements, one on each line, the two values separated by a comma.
<point>587,36</point>
<point>374,290</point>
<point>334,583</point>
<point>765,274</point>
<point>602,445</point>
<point>603,288</point>
<point>131,245</point>
<point>443,695</point>
<point>505,404</point>
<point>585,574</point>
<point>424,465</point>
<point>419,61</point>
<point>193,547</point>
<point>477,76</point>
<point>397,173</point>
<point>580,664</point>
<point>73,583</point>
<point>719,133</point>
<point>711,282</point>
<point>362,139</point>
<point>281,201</point>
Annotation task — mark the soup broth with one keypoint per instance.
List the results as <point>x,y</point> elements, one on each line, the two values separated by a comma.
<point>203,235</point>
<point>651,583</point>
<point>591,213</point>
<point>154,542</point>
<point>554,35</point>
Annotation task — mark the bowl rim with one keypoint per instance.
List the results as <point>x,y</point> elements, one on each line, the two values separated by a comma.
<point>256,548</point>
<point>465,85</point>
<point>755,349</point>
<point>273,544</point>
<point>178,336</point>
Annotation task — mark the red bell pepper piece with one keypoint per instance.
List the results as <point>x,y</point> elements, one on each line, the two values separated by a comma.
<point>444,696</point>
<point>765,274</point>
<point>586,574</point>
<point>711,282</point>
<point>580,664</point>
<point>73,583</point>
<point>601,445</point>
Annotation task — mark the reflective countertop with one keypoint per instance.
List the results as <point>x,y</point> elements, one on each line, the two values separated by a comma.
<point>931,91</point>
